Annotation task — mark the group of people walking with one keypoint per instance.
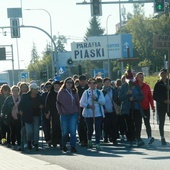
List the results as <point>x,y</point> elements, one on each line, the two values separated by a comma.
<point>79,105</point>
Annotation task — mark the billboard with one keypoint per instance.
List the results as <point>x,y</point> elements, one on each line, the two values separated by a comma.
<point>102,47</point>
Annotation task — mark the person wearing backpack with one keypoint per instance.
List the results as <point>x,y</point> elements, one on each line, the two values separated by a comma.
<point>92,102</point>
<point>110,120</point>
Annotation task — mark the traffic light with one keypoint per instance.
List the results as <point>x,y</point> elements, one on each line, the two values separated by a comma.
<point>159,6</point>
<point>43,74</point>
<point>96,8</point>
<point>15,29</point>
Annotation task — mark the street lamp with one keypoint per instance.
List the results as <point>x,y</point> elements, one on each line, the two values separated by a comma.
<point>51,34</point>
<point>120,20</point>
<point>108,56</point>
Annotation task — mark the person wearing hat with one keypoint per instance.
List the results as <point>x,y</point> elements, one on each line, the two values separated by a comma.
<point>130,95</point>
<point>160,95</point>
<point>29,107</point>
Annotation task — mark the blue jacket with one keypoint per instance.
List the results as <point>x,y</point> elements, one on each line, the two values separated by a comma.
<point>126,103</point>
<point>26,106</point>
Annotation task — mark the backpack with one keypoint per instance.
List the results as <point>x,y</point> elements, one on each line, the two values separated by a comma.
<point>98,95</point>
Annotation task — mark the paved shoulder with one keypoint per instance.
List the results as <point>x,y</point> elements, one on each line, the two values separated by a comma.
<point>12,160</point>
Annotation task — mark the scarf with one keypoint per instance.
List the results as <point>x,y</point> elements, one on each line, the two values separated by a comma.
<point>15,108</point>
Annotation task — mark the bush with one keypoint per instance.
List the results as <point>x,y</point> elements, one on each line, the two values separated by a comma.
<point>151,80</point>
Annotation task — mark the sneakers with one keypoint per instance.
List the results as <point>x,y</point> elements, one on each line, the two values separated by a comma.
<point>151,140</point>
<point>106,140</point>
<point>122,138</point>
<point>115,143</point>
<point>49,143</point>
<point>140,143</point>
<point>64,148</point>
<point>73,150</point>
<point>97,146</point>
<point>29,146</point>
<point>129,143</point>
<point>13,147</point>
<point>36,147</point>
<point>163,141</point>
<point>90,145</point>
<point>83,144</point>
<point>18,148</point>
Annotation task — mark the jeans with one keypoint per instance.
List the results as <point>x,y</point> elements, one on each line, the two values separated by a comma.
<point>32,130</point>
<point>89,122</point>
<point>69,125</point>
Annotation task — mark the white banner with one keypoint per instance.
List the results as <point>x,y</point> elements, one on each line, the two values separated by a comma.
<point>97,48</point>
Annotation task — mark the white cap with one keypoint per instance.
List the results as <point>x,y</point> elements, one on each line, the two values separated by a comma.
<point>33,86</point>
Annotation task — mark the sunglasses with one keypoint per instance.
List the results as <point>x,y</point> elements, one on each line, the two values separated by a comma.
<point>69,82</point>
<point>48,86</point>
<point>92,83</point>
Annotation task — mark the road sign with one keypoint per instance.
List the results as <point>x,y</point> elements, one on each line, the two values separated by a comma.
<point>24,75</point>
<point>62,70</point>
<point>161,41</point>
<point>56,78</point>
<point>102,47</point>
<point>127,43</point>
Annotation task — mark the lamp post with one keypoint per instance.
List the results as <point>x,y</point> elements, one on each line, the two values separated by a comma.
<point>108,56</point>
<point>120,20</point>
<point>51,34</point>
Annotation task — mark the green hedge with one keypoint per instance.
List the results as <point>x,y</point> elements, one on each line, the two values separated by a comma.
<point>151,80</point>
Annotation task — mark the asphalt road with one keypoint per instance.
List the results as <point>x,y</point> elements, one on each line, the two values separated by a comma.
<point>148,157</point>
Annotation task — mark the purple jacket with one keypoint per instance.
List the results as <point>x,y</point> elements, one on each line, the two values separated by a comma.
<point>66,103</point>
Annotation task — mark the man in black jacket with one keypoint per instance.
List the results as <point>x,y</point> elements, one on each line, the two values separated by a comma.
<point>82,130</point>
<point>160,95</point>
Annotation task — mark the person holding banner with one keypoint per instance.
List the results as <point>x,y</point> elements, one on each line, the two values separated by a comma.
<point>161,96</point>
<point>92,102</point>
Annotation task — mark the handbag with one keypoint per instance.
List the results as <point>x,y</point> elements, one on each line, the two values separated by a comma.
<point>7,120</point>
<point>117,108</point>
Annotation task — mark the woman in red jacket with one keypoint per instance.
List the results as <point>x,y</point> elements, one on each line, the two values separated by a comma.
<point>146,103</point>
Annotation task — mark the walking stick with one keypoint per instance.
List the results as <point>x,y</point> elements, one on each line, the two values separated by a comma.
<point>93,106</point>
<point>153,119</point>
<point>168,111</point>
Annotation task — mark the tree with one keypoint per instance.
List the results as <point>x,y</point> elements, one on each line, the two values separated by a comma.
<point>34,54</point>
<point>60,40</point>
<point>94,28</point>
<point>144,63</point>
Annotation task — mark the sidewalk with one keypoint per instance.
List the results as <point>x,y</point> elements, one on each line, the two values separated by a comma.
<point>13,160</point>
